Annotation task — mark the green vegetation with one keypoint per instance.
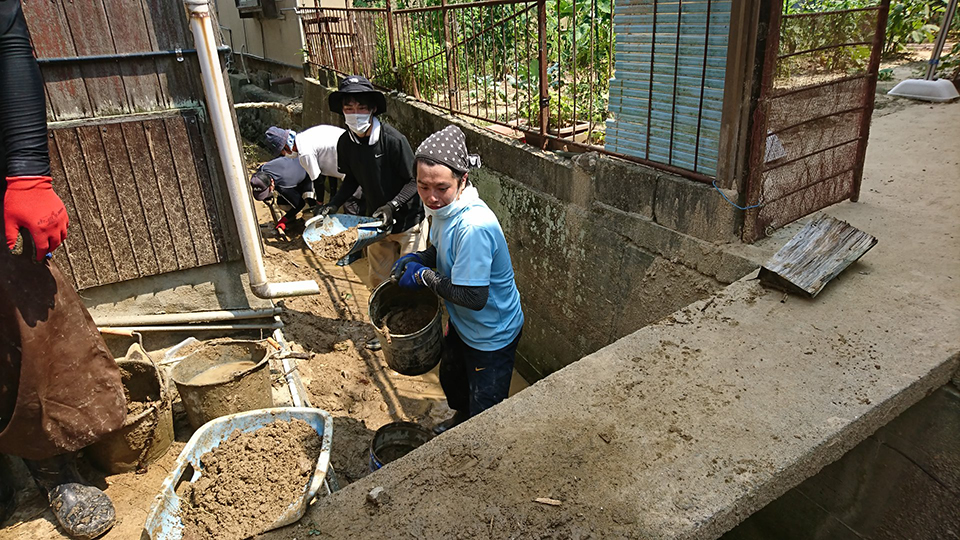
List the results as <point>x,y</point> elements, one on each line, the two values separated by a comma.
<point>910,21</point>
<point>495,50</point>
<point>496,67</point>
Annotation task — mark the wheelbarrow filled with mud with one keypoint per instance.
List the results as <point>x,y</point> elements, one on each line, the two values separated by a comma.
<point>244,474</point>
<point>341,237</point>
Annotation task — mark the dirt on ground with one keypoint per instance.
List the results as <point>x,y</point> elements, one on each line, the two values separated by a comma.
<point>249,481</point>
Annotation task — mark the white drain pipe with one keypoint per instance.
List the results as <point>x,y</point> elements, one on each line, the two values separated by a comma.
<point>219,109</point>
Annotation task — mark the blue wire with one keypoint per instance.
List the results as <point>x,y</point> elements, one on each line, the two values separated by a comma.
<point>735,205</point>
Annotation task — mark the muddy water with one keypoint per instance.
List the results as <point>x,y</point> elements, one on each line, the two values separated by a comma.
<point>220,373</point>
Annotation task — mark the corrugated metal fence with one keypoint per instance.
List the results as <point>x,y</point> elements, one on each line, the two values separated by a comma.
<point>667,97</point>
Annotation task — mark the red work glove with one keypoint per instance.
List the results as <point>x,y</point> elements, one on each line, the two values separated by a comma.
<point>31,204</point>
<point>282,224</point>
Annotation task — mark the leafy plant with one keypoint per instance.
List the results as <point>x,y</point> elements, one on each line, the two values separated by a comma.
<point>912,21</point>
<point>909,21</point>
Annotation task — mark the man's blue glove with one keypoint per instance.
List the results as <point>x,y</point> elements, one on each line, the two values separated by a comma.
<point>413,276</point>
<point>398,267</point>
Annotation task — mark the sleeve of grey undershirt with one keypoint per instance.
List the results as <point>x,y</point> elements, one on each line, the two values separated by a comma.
<point>469,297</point>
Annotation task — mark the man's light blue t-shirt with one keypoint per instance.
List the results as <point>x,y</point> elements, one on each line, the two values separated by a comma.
<point>472,251</point>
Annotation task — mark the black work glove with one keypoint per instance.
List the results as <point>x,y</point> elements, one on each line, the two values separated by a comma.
<point>386,212</point>
<point>325,210</point>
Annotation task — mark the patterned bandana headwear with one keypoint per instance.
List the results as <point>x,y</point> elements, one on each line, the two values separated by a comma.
<point>449,147</point>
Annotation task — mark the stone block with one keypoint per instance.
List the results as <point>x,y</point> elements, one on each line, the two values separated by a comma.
<point>733,267</point>
<point>544,347</point>
<point>657,287</point>
<point>626,186</point>
<point>316,110</point>
<point>695,209</point>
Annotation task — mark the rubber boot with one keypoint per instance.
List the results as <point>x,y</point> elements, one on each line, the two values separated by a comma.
<point>8,494</point>
<point>455,420</point>
<point>82,510</point>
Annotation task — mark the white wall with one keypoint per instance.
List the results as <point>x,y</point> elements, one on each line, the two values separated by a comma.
<point>280,40</point>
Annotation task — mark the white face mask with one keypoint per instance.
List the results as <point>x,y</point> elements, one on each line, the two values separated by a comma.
<point>358,123</point>
<point>466,196</point>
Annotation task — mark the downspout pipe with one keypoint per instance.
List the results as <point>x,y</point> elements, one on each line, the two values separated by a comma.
<point>221,119</point>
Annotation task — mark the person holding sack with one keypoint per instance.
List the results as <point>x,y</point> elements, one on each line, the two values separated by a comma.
<point>60,388</point>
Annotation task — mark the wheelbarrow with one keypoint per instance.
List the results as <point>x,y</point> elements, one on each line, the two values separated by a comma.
<point>369,230</point>
<point>163,520</point>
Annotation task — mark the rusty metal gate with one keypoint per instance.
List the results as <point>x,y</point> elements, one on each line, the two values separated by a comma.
<point>812,116</point>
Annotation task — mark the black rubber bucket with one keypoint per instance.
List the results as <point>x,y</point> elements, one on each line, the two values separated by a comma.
<point>408,354</point>
<point>395,440</point>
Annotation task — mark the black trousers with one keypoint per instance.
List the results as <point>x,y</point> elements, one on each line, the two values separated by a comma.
<point>475,380</point>
<point>293,197</point>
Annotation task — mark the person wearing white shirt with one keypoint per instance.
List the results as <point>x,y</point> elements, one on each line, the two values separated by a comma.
<point>315,148</point>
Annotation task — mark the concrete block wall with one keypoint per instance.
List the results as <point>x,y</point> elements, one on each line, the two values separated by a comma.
<point>901,482</point>
<point>601,247</point>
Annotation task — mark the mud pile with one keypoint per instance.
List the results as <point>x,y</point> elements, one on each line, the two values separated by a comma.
<point>337,246</point>
<point>249,481</point>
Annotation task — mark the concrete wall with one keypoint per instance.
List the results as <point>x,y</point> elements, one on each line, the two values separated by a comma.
<point>253,122</point>
<point>601,247</point>
<point>279,39</point>
<point>901,482</point>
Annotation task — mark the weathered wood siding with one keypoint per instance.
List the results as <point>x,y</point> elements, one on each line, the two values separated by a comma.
<point>129,143</point>
<point>88,88</point>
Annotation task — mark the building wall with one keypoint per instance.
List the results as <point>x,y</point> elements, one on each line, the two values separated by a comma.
<point>601,247</point>
<point>130,141</point>
<point>279,40</point>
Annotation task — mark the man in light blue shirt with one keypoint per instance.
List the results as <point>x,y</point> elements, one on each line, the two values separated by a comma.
<point>473,274</point>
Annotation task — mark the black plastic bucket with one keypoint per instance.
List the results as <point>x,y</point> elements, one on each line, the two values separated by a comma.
<point>407,354</point>
<point>395,440</point>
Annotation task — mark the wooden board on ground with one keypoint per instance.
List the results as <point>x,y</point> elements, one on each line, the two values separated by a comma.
<point>817,254</point>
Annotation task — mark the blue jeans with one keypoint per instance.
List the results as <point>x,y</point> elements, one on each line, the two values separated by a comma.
<point>475,380</point>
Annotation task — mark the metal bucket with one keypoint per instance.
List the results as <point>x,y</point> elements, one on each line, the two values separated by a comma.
<point>407,354</point>
<point>334,224</point>
<point>395,440</point>
<point>244,390</point>
<point>146,433</point>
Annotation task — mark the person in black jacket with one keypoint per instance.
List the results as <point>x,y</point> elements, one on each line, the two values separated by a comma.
<point>378,158</point>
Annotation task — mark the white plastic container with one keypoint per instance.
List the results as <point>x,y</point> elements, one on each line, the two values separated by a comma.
<point>163,520</point>
<point>938,91</point>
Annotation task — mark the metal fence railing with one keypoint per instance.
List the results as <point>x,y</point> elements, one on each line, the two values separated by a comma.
<point>544,69</point>
<point>541,67</point>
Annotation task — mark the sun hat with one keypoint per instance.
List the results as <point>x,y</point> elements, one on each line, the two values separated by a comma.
<point>357,85</point>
